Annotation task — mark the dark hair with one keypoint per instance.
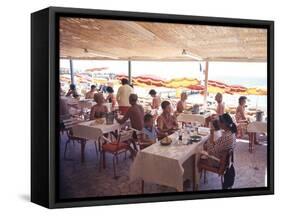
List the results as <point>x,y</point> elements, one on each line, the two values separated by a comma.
<point>216,124</point>
<point>124,81</point>
<point>93,86</point>
<point>241,99</point>
<point>109,89</point>
<point>152,92</point>
<point>164,104</point>
<point>147,117</point>
<point>72,86</point>
<point>227,120</point>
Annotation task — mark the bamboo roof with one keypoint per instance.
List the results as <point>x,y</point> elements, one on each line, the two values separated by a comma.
<point>99,39</point>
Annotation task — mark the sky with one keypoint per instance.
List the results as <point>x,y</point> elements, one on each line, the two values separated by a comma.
<point>248,74</point>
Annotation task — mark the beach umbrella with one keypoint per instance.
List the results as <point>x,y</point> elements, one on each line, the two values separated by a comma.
<point>181,82</point>
<point>148,80</point>
<point>217,87</point>
<point>196,87</point>
<point>121,76</point>
<point>96,69</point>
<point>237,89</point>
<point>256,91</point>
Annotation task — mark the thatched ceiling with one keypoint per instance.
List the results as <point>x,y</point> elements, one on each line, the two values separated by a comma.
<point>113,39</point>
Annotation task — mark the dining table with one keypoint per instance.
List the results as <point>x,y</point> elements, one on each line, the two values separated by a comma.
<point>194,117</point>
<point>170,165</point>
<point>252,129</point>
<point>94,130</point>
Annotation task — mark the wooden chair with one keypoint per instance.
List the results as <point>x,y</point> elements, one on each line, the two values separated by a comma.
<point>115,148</point>
<point>223,163</point>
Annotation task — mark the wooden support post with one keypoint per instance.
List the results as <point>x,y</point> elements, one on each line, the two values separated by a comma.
<point>129,72</point>
<point>206,72</point>
<point>71,71</point>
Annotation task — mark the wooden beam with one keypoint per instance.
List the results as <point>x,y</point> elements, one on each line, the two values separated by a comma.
<point>137,28</point>
<point>129,71</point>
<point>71,71</point>
<point>206,72</point>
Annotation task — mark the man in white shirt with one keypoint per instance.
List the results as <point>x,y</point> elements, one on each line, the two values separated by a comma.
<point>123,95</point>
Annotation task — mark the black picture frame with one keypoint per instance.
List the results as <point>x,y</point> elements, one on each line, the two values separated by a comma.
<point>45,106</point>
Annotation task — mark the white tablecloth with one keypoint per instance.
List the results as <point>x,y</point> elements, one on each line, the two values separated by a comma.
<point>166,165</point>
<point>90,131</point>
<point>186,117</point>
<point>86,103</point>
<point>257,127</point>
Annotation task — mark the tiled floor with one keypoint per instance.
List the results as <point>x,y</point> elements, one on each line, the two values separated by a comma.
<point>85,180</point>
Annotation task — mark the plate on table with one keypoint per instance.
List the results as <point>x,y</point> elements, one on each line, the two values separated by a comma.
<point>195,138</point>
<point>166,141</point>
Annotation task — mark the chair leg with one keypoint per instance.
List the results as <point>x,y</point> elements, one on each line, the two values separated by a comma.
<point>205,176</point>
<point>142,186</point>
<point>65,148</point>
<point>222,181</point>
<point>73,143</point>
<point>97,152</point>
<point>114,166</point>
<point>117,161</point>
<point>251,142</point>
<point>125,157</point>
<point>103,159</point>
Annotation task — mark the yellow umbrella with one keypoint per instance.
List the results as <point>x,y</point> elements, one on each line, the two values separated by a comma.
<point>256,91</point>
<point>181,83</point>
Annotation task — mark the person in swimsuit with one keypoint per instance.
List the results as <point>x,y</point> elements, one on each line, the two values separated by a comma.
<point>98,110</point>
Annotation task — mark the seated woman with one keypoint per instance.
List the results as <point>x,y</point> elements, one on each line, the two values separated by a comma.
<point>99,110</point>
<point>240,117</point>
<point>166,122</point>
<point>155,99</point>
<point>181,105</point>
<point>149,132</point>
<point>224,143</point>
<point>110,97</point>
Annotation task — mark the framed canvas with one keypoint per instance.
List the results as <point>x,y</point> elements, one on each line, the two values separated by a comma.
<point>138,107</point>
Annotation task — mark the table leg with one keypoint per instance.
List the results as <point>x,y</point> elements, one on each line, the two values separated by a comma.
<point>83,144</point>
<point>142,186</point>
<point>194,172</point>
<point>251,142</point>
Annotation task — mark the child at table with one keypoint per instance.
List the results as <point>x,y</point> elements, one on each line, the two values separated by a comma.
<point>149,132</point>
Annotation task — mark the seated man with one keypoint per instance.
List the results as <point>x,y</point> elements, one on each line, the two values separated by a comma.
<point>72,92</point>
<point>166,122</point>
<point>135,113</point>
<point>90,94</point>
